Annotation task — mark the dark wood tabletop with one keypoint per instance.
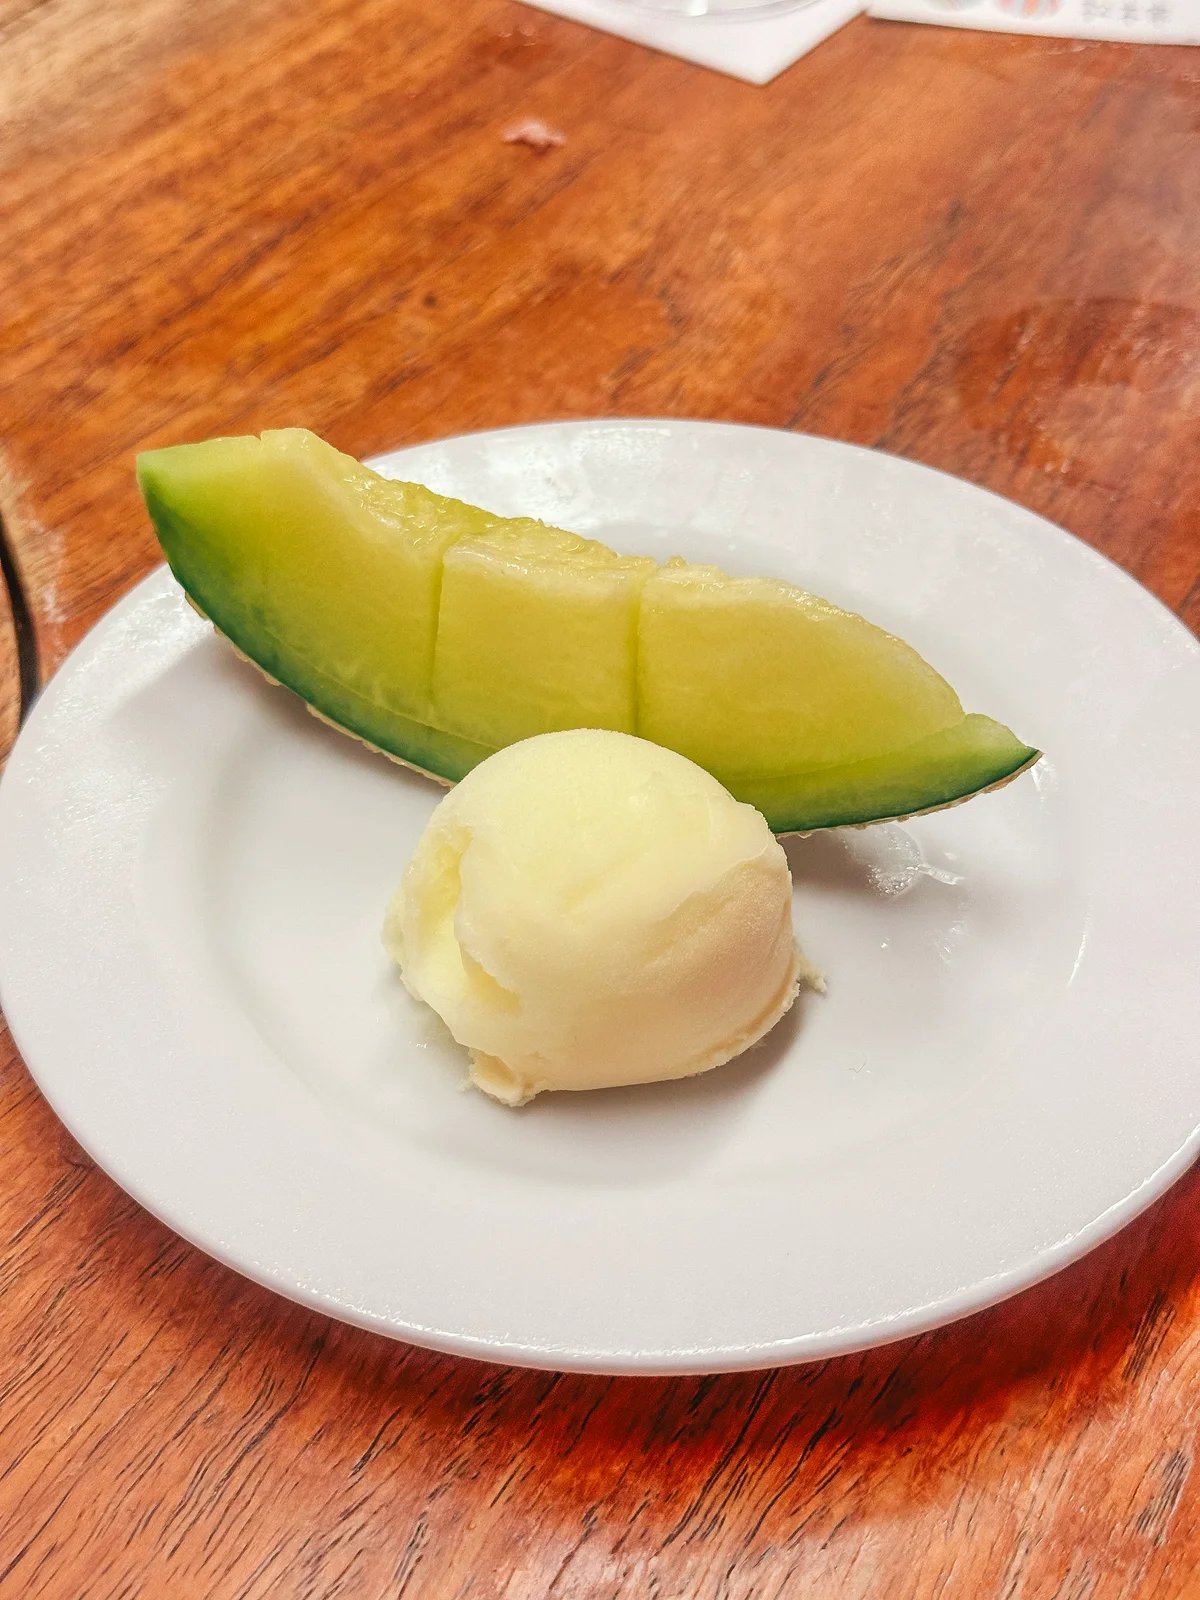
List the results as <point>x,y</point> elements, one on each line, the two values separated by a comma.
<point>976,251</point>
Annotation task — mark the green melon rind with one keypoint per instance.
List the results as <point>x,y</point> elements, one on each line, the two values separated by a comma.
<point>932,774</point>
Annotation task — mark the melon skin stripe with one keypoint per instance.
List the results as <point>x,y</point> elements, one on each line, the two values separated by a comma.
<point>209,554</point>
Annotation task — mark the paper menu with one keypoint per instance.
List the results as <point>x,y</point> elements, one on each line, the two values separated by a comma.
<point>1130,21</point>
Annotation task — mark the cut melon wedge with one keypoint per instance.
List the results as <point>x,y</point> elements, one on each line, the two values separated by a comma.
<point>828,689</point>
<point>537,632</point>
<point>315,566</point>
<point>437,633</point>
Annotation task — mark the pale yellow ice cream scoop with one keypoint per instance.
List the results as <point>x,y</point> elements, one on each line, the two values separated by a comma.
<point>587,909</point>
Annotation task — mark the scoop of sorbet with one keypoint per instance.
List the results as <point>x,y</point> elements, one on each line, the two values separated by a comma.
<point>587,909</point>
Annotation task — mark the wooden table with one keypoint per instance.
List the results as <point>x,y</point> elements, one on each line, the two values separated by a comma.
<point>976,251</point>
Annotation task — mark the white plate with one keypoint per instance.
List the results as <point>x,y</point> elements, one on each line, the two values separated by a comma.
<point>193,874</point>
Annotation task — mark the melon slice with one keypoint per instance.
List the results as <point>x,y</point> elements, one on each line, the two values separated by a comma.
<point>814,715</point>
<point>537,632</point>
<point>438,632</point>
<point>322,572</point>
<point>754,677</point>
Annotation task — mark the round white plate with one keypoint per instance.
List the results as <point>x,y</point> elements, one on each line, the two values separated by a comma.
<point>193,874</point>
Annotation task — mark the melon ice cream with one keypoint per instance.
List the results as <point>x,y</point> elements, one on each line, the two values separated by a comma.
<point>587,909</point>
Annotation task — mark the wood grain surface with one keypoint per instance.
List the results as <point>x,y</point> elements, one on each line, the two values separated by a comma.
<point>976,251</point>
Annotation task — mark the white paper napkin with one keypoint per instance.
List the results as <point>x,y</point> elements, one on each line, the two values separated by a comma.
<point>1134,21</point>
<point>754,48</point>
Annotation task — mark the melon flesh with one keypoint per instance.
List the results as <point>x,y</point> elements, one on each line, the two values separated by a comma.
<point>537,632</point>
<point>751,677</point>
<point>438,632</point>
